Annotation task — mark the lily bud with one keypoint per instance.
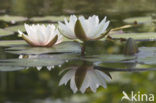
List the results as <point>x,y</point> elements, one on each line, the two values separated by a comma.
<point>130,47</point>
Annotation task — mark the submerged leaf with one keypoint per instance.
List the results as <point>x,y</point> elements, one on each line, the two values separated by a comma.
<point>10,68</point>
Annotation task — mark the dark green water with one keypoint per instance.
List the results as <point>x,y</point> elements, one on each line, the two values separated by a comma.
<point>103,63</point>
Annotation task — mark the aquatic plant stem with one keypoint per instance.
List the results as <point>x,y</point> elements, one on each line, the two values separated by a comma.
<point>83,48</point>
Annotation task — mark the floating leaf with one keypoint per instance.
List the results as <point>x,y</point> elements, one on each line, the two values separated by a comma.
<point>6,43</point>
<point>109,58</point>
<point>117,65</point>
<point>147,55</point>
<point>16,28</point>
<point>136,36</point>
<point>12,19</point>
<point>5,33</point>
<point>38,60</point>
<point>139,20</point>
<point>60,48</point>
<point>48,18</point>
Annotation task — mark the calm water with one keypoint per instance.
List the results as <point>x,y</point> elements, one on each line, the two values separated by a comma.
<point>26,77</point>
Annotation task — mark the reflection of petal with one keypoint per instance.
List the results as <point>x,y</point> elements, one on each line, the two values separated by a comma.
<point>67,77</point>
<point>104,76</point>
<point>93,78</point>
<point>49,68</point>
<point>73,84</point>
<point>39,68</point>
<point>90,81</point>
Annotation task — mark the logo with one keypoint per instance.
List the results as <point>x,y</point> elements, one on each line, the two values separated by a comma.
<point>137,96</point>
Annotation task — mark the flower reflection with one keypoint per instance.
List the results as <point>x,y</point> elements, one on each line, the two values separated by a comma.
<point>83,77</point>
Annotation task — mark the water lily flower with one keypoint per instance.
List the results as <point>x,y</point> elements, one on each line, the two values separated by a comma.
<point>84,77</point>
<point>84,29</point>
<point>41,35</point>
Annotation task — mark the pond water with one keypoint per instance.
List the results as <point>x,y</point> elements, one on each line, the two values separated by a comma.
<point>63,74</point>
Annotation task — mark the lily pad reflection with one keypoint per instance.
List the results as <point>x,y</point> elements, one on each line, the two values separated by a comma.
<point>10,68</point>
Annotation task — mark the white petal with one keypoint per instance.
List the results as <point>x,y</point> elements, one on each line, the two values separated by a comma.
<point>73,84</point>
<point>67,29</point>
<point>67,77</point>
<point>20,33</point>
<point>101,28</point>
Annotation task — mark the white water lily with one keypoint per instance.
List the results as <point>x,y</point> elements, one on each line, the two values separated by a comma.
<point>92,79</point>
<point>84,29</point>
<point>41,35</point>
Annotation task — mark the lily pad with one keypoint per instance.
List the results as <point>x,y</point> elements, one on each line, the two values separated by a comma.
<point>15,28</point>
<point>109,58</point>
<point>136,36</point>
<point>48,18</point>
<point>147,55</point>
<point>64,47</point>
<point>6,43</point>
<point>5,33</point>
<point>38,60</point>
<point>12,19</point>
<point>139,20</point>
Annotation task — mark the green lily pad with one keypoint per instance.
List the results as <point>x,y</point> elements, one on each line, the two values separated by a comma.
<point>15,28</point>
<point>38,60</point>
<point>12,19</point>
<point>63,47</point>
<point>136,36</point>
<point>5,33</point>
<point>139,20</point>
<point>48,18</point>
<point>147,55</point>
<point>6,43</point>
<point>109,58</point>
